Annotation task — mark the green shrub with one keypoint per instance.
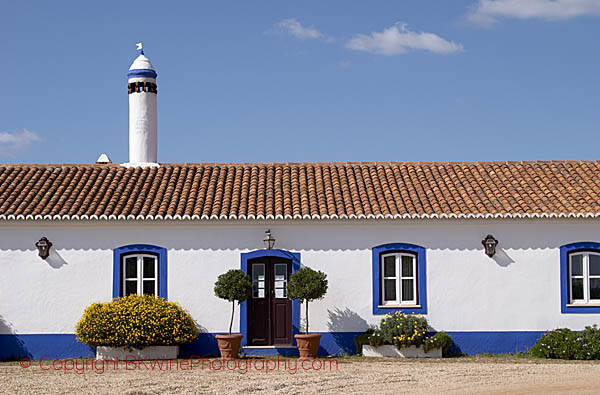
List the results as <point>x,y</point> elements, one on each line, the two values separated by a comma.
<point>439,340</point>
<point>234,286</point>
<point>135,322</point>
<point>400,329</point>
<point>362,339</point>
<point>307,285</point>
<point>563,343</point>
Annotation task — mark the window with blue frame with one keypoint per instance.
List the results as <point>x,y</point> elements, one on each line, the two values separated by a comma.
<point>139,274</point>
<point>580,277</point>
<point>399,278</point>
<point>140,269</point>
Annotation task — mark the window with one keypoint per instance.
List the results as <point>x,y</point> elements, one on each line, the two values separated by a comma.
<point>259,277</point>
<point>399,279</point>
<point>140,269</point>
<point>584,277</point>
<point>139,274</point>
<point>281,273</point>
<point>580,278</point>
<point>258,280</point>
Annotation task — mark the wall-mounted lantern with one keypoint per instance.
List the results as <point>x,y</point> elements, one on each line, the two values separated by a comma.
<point>489,243</point>
<point>269,240</point>
<point>43,246</point>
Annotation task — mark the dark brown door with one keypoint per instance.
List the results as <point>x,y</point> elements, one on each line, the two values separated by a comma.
<point>269,309</point>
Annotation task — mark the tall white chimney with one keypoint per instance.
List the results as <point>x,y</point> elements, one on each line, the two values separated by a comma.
<point>141,81</point>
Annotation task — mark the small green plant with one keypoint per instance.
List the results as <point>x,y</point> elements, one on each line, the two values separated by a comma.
<point>307,285</point>
<point>135,321</point>
<point>563,343</point>
<point>362,339</point>
<point>439,340</point>
<point>234,286</point>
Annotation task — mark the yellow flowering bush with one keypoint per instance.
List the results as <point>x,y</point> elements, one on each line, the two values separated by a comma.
<point>135,321</point>
<point>399,329</point>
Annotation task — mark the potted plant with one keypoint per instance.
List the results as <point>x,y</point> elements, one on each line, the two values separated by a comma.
<point>145,327</point>
<point>234,286</point>
<point>307,285</point>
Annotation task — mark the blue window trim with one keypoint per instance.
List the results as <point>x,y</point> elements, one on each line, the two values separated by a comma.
<point>140,248</point>
<point>421,280</point>
<point>295,258</point>
<point>564,277</point>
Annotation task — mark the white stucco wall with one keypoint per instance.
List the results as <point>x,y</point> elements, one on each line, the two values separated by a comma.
<point>467,291</point>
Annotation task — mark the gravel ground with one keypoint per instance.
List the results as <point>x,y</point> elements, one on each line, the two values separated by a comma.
<point>352,375</point>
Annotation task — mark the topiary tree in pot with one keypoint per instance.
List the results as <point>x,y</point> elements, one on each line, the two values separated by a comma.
<point>234,286</point>
<point>307,285</point>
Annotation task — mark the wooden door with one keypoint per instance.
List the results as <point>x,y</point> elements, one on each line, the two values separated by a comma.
<point>269,309</point>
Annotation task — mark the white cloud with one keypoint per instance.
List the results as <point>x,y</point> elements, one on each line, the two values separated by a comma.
<point>487,12</point>
<point>397,40</point>
<point>296,29</point>
<point>11,142</point>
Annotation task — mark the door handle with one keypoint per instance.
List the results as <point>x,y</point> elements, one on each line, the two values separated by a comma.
<point>272,293</point>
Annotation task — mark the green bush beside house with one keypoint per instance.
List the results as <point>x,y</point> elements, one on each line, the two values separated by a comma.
<point>564,343</point>
<point>136,321</point>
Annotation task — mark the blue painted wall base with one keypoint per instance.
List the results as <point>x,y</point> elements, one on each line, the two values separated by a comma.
<point>472,343</point>
<point>62,346</point>
<point>283,351</point>
<point>49,346</point>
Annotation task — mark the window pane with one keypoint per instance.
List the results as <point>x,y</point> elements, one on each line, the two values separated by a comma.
<point>257,292</point>
<point>389,266</point>
<point>280,285</point>
<point>149,287</point>
<point>280,271</point>
<point>594,288</point>
<point>577,288</point>
<point>280,292</point>
<point>407,290</point>
<point>130,287</point>
<point>389,290</point>
<point>258,271</point>
<point>131,267</point>
<point>576,265</point>
<point>149,271</point>
<point>258,280</point>
<point>594,265</point>
<point>258,289</point>
<point>407,266</point>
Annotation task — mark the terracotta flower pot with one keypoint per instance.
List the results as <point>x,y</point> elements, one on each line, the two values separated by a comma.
<point>229,345</point>
<point>308,344</point>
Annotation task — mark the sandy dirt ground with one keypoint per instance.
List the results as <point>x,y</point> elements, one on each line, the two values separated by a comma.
<point>471,375</point>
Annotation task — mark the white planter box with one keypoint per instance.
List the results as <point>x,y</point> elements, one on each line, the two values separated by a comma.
<point>125,354</point>
<point>404,352</point>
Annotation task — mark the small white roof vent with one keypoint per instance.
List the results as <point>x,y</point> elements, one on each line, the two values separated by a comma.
<point>103,159</point>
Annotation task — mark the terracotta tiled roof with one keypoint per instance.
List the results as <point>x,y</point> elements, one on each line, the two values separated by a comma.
<point>301,191</point>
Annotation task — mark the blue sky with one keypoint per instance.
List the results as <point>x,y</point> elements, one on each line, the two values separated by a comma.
<point>282,81</point>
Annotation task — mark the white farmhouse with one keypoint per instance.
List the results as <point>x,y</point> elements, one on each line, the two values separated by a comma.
<point>390,236</point>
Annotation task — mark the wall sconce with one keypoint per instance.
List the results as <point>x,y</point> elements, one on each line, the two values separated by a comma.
<point>489,243</point>
<point>269,240</point>
<point>43,246</point>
